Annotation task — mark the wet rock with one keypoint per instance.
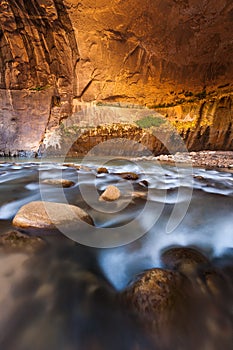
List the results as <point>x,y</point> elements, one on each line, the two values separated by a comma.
<point>72,165</point>
<point>199,178</point>
<point>185,259</point>
<point>128,176</point>
<point>16,241</point>
<point>49,215</point>
<point>139,194</point>
<point>155,294</point>
<point>102,170</point>
<point>144,183</point>
<point>112,193</point>
<point>58,182</point>
<point>206,279</point>
<point>77,166</point>
<point>211,281</point>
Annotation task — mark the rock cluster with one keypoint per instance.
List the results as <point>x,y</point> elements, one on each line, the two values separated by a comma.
<point>161,296</point>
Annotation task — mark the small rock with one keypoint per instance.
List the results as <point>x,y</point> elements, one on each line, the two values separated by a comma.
<point>112,193</point>
<point>58,182</point>
<point>77,166</point>
<point>49,215</point>
<point>183,259</point>
<point>128,176</point>
<point>72,165</point>
<point>16,241</point>
<point>144,183</point>
<point>138,194</point>
<point>102,170</point>
<point>200,178</point>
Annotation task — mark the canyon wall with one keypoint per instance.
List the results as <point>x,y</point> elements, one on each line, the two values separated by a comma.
<point>172,56</point>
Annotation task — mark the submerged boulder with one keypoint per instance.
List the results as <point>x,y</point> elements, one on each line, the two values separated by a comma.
<point>184,259</point>
<point>15,241</point>
<point>49,215</point>
<point>206,279</point>
<point>155,295</point>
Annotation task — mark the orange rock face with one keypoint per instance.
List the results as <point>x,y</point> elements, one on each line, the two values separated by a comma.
<point>57,53</point>
<point>149,52</point>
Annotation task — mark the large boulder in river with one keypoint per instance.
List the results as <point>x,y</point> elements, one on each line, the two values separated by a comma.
<point>156,294</point>
<point>49,215</point>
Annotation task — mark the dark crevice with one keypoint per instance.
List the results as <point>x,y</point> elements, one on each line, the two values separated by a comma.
<point>86,88</point>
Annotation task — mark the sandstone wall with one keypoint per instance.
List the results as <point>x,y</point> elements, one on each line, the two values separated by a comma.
<point>149,52</point>
<point>172,55</point>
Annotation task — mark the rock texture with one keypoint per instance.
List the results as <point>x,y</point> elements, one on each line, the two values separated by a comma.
<point>38,54</point>
<point>116,140</point>
<point>174,56</point>
<point>155,295</point>
<point>183,259</point>
<point>49,215</point>
<point>112,193</point>
<point>148,52</point>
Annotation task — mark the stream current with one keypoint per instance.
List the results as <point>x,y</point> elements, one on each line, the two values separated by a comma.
<point>65,296</point>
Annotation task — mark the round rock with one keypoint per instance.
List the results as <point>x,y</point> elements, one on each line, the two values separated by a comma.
<point>183,259</point>
<point>102,170</point>
<point>155,292</point>
<point>49,215</point>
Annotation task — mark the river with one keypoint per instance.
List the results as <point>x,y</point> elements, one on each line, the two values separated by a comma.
<point>65,296</point>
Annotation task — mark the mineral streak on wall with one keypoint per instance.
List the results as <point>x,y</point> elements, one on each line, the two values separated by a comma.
<point>172,55</point>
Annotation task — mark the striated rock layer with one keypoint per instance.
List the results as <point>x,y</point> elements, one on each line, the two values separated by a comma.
<point>172,56</point>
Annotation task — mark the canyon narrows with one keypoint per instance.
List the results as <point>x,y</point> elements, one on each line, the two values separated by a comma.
<point>171,56</point>
<point>116,175</point>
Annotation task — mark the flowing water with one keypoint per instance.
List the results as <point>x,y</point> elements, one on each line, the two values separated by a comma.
<point>65,296</point>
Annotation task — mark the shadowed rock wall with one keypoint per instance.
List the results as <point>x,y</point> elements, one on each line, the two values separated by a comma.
<point>38,54</point>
